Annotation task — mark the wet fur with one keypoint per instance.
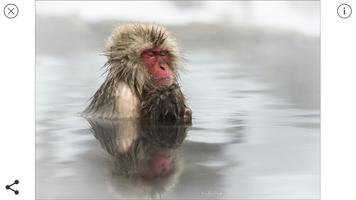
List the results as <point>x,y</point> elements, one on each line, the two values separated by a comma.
<point>165,104</point>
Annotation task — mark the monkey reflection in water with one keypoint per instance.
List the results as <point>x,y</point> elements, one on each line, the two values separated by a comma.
<point>146,156</point>
<point>139,113</point>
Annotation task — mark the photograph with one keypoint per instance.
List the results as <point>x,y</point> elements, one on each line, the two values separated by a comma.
<point>177,100</point>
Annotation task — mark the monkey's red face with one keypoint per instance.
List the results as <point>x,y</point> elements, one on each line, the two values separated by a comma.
<point>157,61</point>
<point>157,166</point>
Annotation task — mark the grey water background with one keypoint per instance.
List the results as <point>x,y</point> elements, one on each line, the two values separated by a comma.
<point>255,96</point>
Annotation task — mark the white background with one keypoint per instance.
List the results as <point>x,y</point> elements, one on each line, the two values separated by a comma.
<point>338,102</point>
<point>17,101</point>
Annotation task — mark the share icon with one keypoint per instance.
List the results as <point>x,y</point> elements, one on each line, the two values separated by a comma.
<point>8,187</point>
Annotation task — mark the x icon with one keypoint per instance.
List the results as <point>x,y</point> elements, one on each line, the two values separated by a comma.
<point>11,11</point>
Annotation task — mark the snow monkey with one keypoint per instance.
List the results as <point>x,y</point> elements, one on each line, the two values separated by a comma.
<point>142,76</point>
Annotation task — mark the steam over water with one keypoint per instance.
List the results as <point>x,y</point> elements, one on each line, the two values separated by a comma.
<point>254,93</point>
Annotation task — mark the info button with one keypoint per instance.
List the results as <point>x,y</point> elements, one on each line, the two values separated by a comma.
<point>344,11</point>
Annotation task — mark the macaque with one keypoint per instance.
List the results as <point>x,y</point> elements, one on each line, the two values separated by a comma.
<point>142,77</point>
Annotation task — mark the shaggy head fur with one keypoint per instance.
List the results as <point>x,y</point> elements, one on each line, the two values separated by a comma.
<point>123,49</point>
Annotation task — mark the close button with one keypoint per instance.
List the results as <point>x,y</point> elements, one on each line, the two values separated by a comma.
<point>11,11</point>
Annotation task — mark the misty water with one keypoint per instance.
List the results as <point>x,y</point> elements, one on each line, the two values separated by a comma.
<point>255,134</point>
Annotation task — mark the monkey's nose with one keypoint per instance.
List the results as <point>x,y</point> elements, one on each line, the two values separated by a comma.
<point>162,67</point>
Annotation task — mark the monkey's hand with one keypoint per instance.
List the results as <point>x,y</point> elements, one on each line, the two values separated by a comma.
<point>188,116</point>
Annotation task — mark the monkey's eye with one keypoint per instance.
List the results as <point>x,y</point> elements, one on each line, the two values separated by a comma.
<point>150,53</point>
<point>163,53</point>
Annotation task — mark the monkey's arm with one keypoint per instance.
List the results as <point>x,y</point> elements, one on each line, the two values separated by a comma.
<point>113,102</point>
<point>126,102</point>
